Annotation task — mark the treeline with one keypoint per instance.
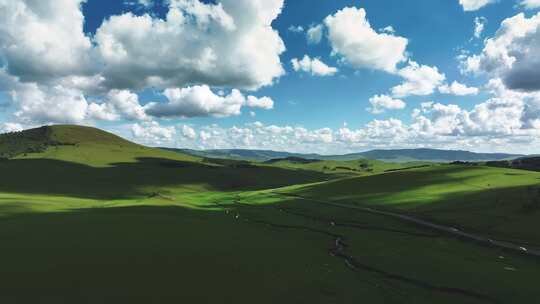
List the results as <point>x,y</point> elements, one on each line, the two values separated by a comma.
<point>29,141</point>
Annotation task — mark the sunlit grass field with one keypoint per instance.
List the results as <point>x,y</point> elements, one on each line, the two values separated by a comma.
<point>102,217</point>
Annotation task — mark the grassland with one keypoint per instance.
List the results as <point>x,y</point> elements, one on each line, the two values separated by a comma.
<point>93,216</point>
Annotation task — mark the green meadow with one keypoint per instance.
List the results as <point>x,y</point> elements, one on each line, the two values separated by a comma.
<point>87,217</point>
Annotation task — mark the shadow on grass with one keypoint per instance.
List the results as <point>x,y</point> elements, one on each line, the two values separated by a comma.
<point>157,251</point>
<point>366,187</point>
<point>181,252</point>
<point>127,180</point>
<point>508,213</point>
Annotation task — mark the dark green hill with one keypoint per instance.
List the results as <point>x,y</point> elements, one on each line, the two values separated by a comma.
<point>523,163</point>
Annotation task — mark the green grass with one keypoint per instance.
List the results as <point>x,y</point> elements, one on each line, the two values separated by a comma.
<point>94,216</point>
<point>501,202</point>
<point>347,168</point>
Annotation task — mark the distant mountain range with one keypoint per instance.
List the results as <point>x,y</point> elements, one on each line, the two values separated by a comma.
<point>399,155</point>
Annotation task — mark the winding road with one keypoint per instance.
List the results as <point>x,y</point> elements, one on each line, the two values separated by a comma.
<point>437,227</point>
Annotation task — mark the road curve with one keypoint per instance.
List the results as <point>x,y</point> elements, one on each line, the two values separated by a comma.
<point>446,229</point>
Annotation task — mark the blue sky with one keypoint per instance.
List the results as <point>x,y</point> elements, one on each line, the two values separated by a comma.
<point>153,99</point>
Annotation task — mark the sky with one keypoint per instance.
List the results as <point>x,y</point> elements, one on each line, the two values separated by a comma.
<point>329,77</point>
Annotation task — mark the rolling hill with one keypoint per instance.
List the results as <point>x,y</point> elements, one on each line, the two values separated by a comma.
<point>241,154</point>
<point>401,155</point>
<point>86,215</point>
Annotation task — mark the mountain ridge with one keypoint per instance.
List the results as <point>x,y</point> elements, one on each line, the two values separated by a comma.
<point>394,155</point>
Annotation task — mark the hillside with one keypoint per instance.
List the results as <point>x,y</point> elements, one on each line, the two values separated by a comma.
<point>241,154</point>
<point>400,155</point>
<point>434,155</point>
<point>523,163</point>
<point>77,144</point>
<point>40,139</point>
<point>91,213</point>
<point>496,201</point>
<point>89,162</point>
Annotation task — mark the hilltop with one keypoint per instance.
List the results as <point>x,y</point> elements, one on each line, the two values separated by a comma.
<point>40,139</point>
<point>78,144</point>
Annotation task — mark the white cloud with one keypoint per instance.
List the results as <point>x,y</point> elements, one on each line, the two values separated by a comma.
<point>530,4</point>
<point>42,104</point>
<point>381,103</point>
<point>315,34</point>
<point>152,133</point>
<point>264,102</point>
<point>509,121</point>
<point>418,80</point>
<point>313,66</point>
<point>101,111</point>
<point>513,54</point>
<point>296,29</point>
<point>8,127</point>
<point>389,29</point>
<point>125,104</point>
<point>473,5</point>
<point>352,37</point>
<point>146,3</point>
<point>231,43</point>
<point>43,40</point>
<point>201,101</point>
<point>506,114</point>
<point>45,105</point>
<point>479,25</point>
<point>188,132</point>
<point>458,89</point>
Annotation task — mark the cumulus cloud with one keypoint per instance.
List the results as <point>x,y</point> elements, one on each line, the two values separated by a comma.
<point>230,43</point>
<point>152,133</point>
<point>513,54</point>
<point>473,5</point>
<point>381,103</point>
<point>458,89</point>
<point>509,121</point>
<point>418,80</point>
<point>507,113</point>
<point>313,66</point>
<point>352,37</point>
<point>42,104</point>
<point>315,34</point>
<point>188,132</point>
<point>264,102</point>
<point>202,101</point>
<point>45,105</point>
<point>118,104</point>
<point>530,4</point>
<point>43,40</point>
<point>223,43</point>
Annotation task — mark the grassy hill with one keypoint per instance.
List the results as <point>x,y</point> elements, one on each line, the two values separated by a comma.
<point>344,168</point>
<point>89,217</point>
<point>243,154</point>
<point>524,163</point>
<point>400,155</point>
<point>78,144</point>
<point>500,202</point>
